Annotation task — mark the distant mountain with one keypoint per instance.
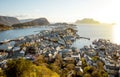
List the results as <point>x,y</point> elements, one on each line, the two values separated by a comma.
<point>59,23</point>
<point>5,20</point>
<point>87,21</point>
<point>62,23</point>
<point>36,22</point>
<point>4,27</point>
<point>26,20</point>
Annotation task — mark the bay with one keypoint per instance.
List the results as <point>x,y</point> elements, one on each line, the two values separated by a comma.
<point>90,31</point>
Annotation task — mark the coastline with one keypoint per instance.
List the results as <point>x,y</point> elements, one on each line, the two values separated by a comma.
<point>58,41</point>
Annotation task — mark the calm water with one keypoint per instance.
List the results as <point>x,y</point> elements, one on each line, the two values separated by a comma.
<point>90,31</point>
<point>93,32</point>
<point>11,34</point>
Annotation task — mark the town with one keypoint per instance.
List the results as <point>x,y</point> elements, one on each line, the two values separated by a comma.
<point>101,59</point>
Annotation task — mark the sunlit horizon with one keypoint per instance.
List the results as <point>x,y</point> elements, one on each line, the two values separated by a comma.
<point>106,11</point>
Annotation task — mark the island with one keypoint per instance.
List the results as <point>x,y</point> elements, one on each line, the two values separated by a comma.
<point>35,22</point>
<point>87,21</point>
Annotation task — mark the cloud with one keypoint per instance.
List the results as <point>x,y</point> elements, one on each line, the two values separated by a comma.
<point>22,16</point>
<point>25,16</point>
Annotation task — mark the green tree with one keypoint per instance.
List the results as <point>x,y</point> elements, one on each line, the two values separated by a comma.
<point>86,69</point>
<point>79,74</point>
<point>84,64</point>
<point>87,75</point>
<point>58,62</point>
<point>95,58</point>
<point>43,71</point>
<point>1,73</point>
<point>104,74</point>
<point>70,66</point>
<point>18,67</point>
<point>100,65</point>
<point>55,68</point>
<point>39,60</point>
<point>99,73</point>
<point>96,74</point>
<point>64,73</point>
<point>90,69</point>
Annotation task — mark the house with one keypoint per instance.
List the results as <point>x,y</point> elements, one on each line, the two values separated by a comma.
<point>79,63</point>
<point>67,58</point>
<point>22,53</point>
<point>66,52</point>
<point>76,56</point>
<point>16,48</point>
<point>77,68</point>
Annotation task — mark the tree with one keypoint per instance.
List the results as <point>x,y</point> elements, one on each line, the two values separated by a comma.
<point>58,56</point>
<point>64,73</point>
<point>89,69</point>
<point>70,66</point>
<point>39,60</point>
<point>100,65</point>
<point>104,74</point>
<point>87,75</point>
<point>95,58</point>
<point>43,71</point>
<point>86,69</point>
<point>55,68</point>
<point>1,73</point>
<point>57,62</point>
<point>96,74</point>
<point>84,64</point>
<point>99,73</point>
<point>79,74</point>
<point>18,67</point>
<point>92,68</point>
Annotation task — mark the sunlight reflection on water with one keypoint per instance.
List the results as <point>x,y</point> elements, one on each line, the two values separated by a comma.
<point>116,34</point>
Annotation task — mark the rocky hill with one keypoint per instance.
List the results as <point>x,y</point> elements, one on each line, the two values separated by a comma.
<point>36,22</point>
<point>5,20</point>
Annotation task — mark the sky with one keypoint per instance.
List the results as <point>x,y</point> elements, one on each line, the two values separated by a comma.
<point>62,10</point>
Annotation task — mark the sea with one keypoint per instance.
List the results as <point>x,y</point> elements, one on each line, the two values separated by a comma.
<point>94,32</point>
